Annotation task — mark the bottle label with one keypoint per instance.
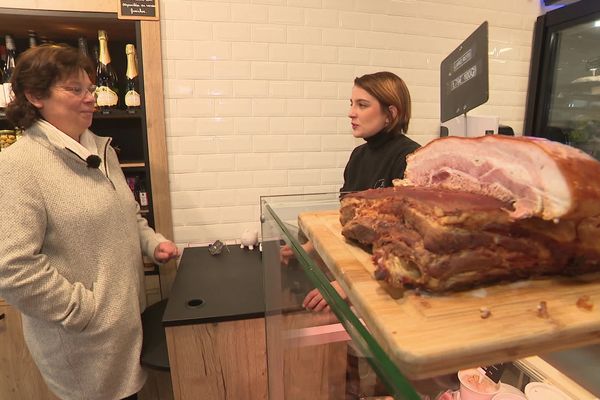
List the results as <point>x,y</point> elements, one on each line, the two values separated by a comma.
<point>2,98</point>
<point>143,199</point>
<point>105,97</point>
<point>132,99</point>
<point>8,93</point>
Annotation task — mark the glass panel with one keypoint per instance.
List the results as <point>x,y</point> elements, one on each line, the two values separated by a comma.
<point>574,113</point>
<point>316,355</point>
<point>331,355</point>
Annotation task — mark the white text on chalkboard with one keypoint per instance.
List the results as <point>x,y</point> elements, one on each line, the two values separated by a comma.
<point>463,78</point>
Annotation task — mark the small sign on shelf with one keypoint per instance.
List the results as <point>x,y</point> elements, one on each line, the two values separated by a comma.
<point>139,9</point>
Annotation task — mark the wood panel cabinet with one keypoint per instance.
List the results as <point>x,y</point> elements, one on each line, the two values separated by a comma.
<point>19,377</point>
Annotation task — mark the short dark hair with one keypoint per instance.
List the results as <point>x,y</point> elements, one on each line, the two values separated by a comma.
<point>37,70</point>
<point>390,90</point>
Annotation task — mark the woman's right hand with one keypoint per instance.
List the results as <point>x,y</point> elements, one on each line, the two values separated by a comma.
<point>285,254</point>
<point>315,302</point>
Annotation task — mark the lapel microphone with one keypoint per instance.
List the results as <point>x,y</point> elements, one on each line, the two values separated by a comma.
<point>93,161</point>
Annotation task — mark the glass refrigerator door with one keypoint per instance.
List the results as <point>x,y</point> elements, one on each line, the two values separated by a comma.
<point>574,112</point>
<point>563,96</point>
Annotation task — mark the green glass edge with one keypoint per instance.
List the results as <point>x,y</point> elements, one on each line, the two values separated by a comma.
<point>383,365</point>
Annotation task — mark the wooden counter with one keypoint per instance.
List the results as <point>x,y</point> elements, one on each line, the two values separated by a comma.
<point>426,335</point>
<point>215,328</point>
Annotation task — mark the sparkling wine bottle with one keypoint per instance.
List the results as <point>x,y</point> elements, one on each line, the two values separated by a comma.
<point>132,96</point>
<point>106,93</point>
<point>9,67</point>
<point>2,63</point>
<point>32,38</point>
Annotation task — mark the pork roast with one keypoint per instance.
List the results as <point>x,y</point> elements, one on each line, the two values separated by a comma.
<point>481,210</point>
<point>439,239</point>
<point>539,177</point>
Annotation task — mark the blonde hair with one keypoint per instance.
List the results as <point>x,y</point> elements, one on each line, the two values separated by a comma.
<point>390,90</point>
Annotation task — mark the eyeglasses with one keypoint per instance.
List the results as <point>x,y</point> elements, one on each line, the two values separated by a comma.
<point>80,91</point>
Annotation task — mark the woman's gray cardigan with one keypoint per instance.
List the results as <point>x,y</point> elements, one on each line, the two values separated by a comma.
<point>70,262</point>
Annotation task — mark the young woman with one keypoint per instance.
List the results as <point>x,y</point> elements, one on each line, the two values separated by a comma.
<point>71,261</point>
<point>379,113</point>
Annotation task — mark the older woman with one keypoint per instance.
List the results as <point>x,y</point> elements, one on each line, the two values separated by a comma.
<point>74,237</point>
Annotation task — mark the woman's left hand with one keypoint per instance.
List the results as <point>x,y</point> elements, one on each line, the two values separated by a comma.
<point>165,251</point>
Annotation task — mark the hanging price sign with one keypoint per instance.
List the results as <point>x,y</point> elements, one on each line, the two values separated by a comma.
<point>138,9</point>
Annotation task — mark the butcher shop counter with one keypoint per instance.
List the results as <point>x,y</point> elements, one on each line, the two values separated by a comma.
<point>214,323</point>
<point>215,326</point>
<point>407,343</point>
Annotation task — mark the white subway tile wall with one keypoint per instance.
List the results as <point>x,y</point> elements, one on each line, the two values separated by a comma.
<point>256,91</point>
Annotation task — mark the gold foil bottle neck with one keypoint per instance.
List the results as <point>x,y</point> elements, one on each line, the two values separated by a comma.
<point>132,68</point>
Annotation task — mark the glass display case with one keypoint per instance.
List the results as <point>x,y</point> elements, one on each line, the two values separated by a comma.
<point>564,86</point>
<point>340,352</point>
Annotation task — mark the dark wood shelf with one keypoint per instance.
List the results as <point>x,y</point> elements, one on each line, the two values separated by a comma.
<point>61,26</point>
<point>119,114</point>
<point>112,114</point>
<point>134,165</point>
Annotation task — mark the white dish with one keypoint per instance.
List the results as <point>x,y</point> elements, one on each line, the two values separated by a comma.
<point>543,391</point>
<point>509,396</point>
<point>506,388</point>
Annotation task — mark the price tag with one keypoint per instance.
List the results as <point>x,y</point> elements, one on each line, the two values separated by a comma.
<point>494,372</point>
<point>138,9</point>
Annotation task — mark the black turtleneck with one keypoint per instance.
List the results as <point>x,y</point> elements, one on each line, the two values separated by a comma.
<point>375,163</point>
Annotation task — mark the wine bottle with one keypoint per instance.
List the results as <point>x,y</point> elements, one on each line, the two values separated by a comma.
<point>142,194</point>
<point>106,92</point>
<point>83,46</point>
<point>132,96</point>
<point>2,63</point>
<point>9,67</point>
<point>2,98</point>
<point>32,39</point>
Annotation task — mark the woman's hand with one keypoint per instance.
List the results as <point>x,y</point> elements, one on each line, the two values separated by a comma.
<point>165,251</point>
<point>286,253</point>
<point>314,301</point>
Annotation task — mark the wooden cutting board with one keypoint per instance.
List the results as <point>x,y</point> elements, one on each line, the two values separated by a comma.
<point>430,335</point>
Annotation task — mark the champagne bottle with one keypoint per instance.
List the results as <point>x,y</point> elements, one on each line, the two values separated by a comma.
<point>106,92</point>
<point>9,68</point>
<point>32,39</point>
<point>132,96</point>
<point>2,63</point>
<point>83,46</point>
<point>142,194</point>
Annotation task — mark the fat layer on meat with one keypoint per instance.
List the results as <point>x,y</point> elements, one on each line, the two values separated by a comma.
<point>540,178</point>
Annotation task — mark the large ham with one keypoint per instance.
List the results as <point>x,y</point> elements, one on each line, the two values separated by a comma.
<point>538,177</point>
<point>481,210</point>
<point>440,240</point>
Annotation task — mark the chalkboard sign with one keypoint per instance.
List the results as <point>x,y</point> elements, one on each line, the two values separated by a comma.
<point>464,81</point>
<point>138,9</point>
<point>494,372</point>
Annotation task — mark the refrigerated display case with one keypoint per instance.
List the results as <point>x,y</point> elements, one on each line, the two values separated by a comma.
<point>563,98</point>
<point>349,351</point>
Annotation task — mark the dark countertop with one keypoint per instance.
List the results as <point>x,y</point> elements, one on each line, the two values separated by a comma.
<point>154,348</point>
<point>224,287</point>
